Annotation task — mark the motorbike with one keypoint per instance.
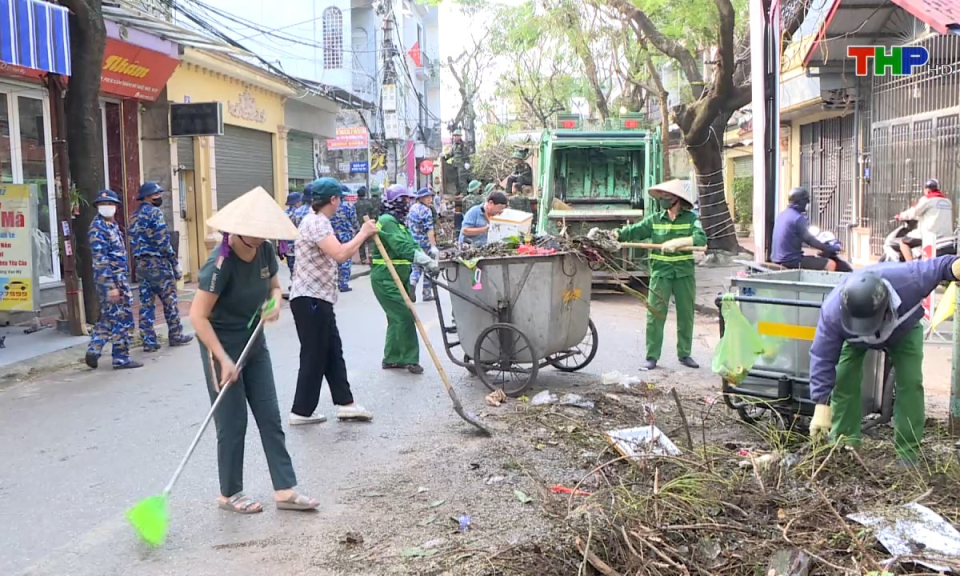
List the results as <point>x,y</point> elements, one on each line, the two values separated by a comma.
<point>831,240</point>
<point>891,244</point>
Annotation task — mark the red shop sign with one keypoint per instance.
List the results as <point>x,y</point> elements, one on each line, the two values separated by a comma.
<point>426,167</point>
<point>130,71</point>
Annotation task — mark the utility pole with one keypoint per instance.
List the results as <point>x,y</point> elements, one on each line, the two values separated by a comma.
<point>388,85</point>
<point>64,209</point>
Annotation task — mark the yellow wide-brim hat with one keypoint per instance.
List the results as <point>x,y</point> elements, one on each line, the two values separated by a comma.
<point>679,188</point>
<point>256,215</point>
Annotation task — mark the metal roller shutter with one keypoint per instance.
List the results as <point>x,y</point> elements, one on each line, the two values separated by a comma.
<point>244,161</point>
<point>743,167</point>
<point>185,153</point>
<point>299,156</point>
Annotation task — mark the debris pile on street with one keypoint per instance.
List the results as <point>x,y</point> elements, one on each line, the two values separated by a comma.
<point>598,250</point>
<point>707,495</point>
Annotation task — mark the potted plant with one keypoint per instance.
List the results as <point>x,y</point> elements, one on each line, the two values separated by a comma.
<point>743,206</point>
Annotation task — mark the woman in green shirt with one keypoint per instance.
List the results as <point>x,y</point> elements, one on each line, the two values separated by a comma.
<point>235,282</point>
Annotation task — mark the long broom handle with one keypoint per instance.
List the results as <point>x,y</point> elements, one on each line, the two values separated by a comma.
<point>213,408</point>
<point>647,246</point>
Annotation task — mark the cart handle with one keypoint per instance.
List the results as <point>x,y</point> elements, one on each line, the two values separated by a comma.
<point>774,301</point>
<point>465,297</point>
<point>647,246</point>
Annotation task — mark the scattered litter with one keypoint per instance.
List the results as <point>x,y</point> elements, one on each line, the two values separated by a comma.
<point>708,549</point>
<point>417,552</point>
<point>437,503</point>
<point>422,489</point>
<point>430,520</point>
<point>496,398</point>
<point>352,539</point>
<point>543,398</point>
<point>373,495</point>
<point>577,401</point>
<point>620,378</point>
<point>642,441</point>
<point>495,479</point>
<point>613,397</point>
<point>710,400</point>
<point>789,562</point>
<point>565,490</point>
<point>762,462</point>
<point>522,497</point>
<point>914,530</point>
<point>464,521</point>
<point>523,399</point>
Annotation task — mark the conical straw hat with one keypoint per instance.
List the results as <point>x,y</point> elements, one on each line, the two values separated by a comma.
<point>255,214</point>
<point>679,188</point>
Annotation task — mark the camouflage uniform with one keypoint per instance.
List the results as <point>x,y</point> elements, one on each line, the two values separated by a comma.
<point>420,222</point>
<point>110,272</point>
<point>293,213</point>
<point>520,202</point>
<point>157,273</point>
<point>345,226</point>
<point>472,200</point>
<point>459,159</point>
<point>365,207</point>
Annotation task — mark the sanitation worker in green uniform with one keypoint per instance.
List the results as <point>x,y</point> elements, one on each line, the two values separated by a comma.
<point>675,226</point>
<point>401,349</point>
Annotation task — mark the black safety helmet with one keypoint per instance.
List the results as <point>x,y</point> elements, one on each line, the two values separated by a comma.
<point>799,196</point>
<point>864,303</point>
<point>932,184</point>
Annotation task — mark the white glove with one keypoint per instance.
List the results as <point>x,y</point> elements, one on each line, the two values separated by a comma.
<point>177,272</point>
<point>671,246</point>
<point>822,417</point>
<point>434,252</point>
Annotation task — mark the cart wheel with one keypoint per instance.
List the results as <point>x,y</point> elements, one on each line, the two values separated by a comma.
<point>470,368</point>
<point>577,358</point>
<point>506,372</point>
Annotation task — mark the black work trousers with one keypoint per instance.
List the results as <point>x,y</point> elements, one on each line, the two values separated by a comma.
<point>321,355</point>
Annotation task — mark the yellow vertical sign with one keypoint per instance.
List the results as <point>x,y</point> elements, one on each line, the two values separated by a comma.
<point>16,249</point>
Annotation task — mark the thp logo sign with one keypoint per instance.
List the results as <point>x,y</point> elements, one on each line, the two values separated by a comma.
<point>901,60</point>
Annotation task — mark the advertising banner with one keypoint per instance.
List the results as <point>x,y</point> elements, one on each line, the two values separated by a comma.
<point>18,281</point>
<point>353,138</point>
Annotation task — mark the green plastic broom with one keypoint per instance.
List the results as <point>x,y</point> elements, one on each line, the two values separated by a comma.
<point>150,517</point>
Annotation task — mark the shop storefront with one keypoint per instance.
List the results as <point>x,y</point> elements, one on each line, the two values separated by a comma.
<point>213,170</point>
<point>34,37</point>
<point>310,121</point>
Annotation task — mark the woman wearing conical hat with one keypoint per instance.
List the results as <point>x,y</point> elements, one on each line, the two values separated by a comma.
<point>236,281</point>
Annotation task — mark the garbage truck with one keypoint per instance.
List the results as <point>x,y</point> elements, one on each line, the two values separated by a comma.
<point>598,177</point>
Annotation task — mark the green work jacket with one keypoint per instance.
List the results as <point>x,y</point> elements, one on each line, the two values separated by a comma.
<point>398,241</point>
<point>658,228</point>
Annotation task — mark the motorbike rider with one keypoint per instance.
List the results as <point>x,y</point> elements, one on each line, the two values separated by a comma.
<point>933,213</point>
<point>792,230</point>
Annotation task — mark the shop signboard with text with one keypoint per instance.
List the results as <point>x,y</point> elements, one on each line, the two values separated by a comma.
<point>18,279</point>
<point>134,72</point>
<point>349,138</point>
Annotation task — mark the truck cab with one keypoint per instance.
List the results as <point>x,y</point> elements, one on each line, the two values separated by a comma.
<point>601,178</point>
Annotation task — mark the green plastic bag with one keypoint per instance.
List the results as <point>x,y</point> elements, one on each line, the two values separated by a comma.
<point>740,345</point>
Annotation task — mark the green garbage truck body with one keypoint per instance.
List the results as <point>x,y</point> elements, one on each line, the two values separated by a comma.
<point>601,179</point>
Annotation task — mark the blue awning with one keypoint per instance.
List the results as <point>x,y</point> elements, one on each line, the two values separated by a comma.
<point>35,34</point>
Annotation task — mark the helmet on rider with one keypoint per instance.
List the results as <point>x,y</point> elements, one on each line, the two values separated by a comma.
<point>864,303</point>
<point>397,191</point>
<point>932,184</point>
<point>799,197</point>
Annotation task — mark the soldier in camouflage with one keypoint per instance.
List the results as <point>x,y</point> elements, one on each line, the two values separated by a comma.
<point>365,207</point>
<point>474,197</point>
<point>345,226</point>
<point>285,248</point>
<point>460,159</point>
<point>157,268</point>
<point>522,173</point>
<point>109,256</point>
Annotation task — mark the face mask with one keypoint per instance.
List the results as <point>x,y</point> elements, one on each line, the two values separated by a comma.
<point>157,202</point>
<point>666,203</point>
<point>107,211</point>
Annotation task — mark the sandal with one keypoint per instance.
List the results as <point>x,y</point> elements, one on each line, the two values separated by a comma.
<point>240,504</point>
<point>297,502</point>
<point>391,366</point>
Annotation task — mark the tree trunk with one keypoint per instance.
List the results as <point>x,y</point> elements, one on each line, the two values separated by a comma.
<point>707,155</point>
<point>663,99</point>
<point>84,140</point>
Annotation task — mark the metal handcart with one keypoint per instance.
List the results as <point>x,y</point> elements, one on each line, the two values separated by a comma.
<point>516,314</point>
<point>785,307</point>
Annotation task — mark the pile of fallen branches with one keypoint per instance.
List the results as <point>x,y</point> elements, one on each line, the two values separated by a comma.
<point>767,500</point>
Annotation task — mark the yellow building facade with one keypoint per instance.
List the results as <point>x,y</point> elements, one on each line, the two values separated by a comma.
<point>212,170</point>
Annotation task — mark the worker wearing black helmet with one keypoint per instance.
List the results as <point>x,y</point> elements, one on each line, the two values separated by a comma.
<point>879,308</point>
